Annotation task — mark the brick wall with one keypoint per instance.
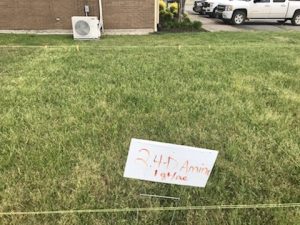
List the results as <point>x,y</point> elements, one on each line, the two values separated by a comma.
<point>42,14</point>
<point>129,14</point>
<point>56,14</point>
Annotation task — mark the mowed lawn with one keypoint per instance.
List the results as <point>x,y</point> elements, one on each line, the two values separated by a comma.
<point>68,111</point>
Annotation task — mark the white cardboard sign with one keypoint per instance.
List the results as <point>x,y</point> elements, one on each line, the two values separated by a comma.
<point>169,163</point>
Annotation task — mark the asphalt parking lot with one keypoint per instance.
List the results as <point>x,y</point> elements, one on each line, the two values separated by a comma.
<point>215,25</point>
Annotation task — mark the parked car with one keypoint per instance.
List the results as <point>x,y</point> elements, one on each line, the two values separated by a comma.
<point>210,7</point>
<point>198,7</point>
<point>236,12</point>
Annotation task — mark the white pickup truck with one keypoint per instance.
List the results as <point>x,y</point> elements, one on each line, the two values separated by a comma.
<point>237,11</point>
<point>210,7</point>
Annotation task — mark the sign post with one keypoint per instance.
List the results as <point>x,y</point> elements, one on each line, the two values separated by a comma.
<point>175,199</point>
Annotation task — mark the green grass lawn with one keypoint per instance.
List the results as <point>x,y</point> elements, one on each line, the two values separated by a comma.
<point>69,109</point>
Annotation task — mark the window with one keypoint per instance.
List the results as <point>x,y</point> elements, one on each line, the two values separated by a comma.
<point>278,1</point>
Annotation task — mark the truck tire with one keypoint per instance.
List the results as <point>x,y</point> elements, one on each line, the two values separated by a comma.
<point>214,13</point>
<point>238,17</point>
<point>296,19</point>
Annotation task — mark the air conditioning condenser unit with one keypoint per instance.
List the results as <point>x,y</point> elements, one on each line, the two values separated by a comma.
<point>86,27</point>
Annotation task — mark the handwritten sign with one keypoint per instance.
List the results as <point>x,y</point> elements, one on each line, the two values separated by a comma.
<point>169,163</point>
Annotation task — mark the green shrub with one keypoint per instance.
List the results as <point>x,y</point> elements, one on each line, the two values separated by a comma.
<point>162,5</point>
<point>186,19</point>
<point>174,8</point>
<point>197,25</point>
<point>169,20</point>
<point>184,25</point>
<point>165,16</point>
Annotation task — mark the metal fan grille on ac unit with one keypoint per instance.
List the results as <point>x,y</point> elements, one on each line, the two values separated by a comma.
<point>82,27</point>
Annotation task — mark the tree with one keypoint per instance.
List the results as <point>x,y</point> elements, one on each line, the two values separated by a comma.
<point>181,8</point>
